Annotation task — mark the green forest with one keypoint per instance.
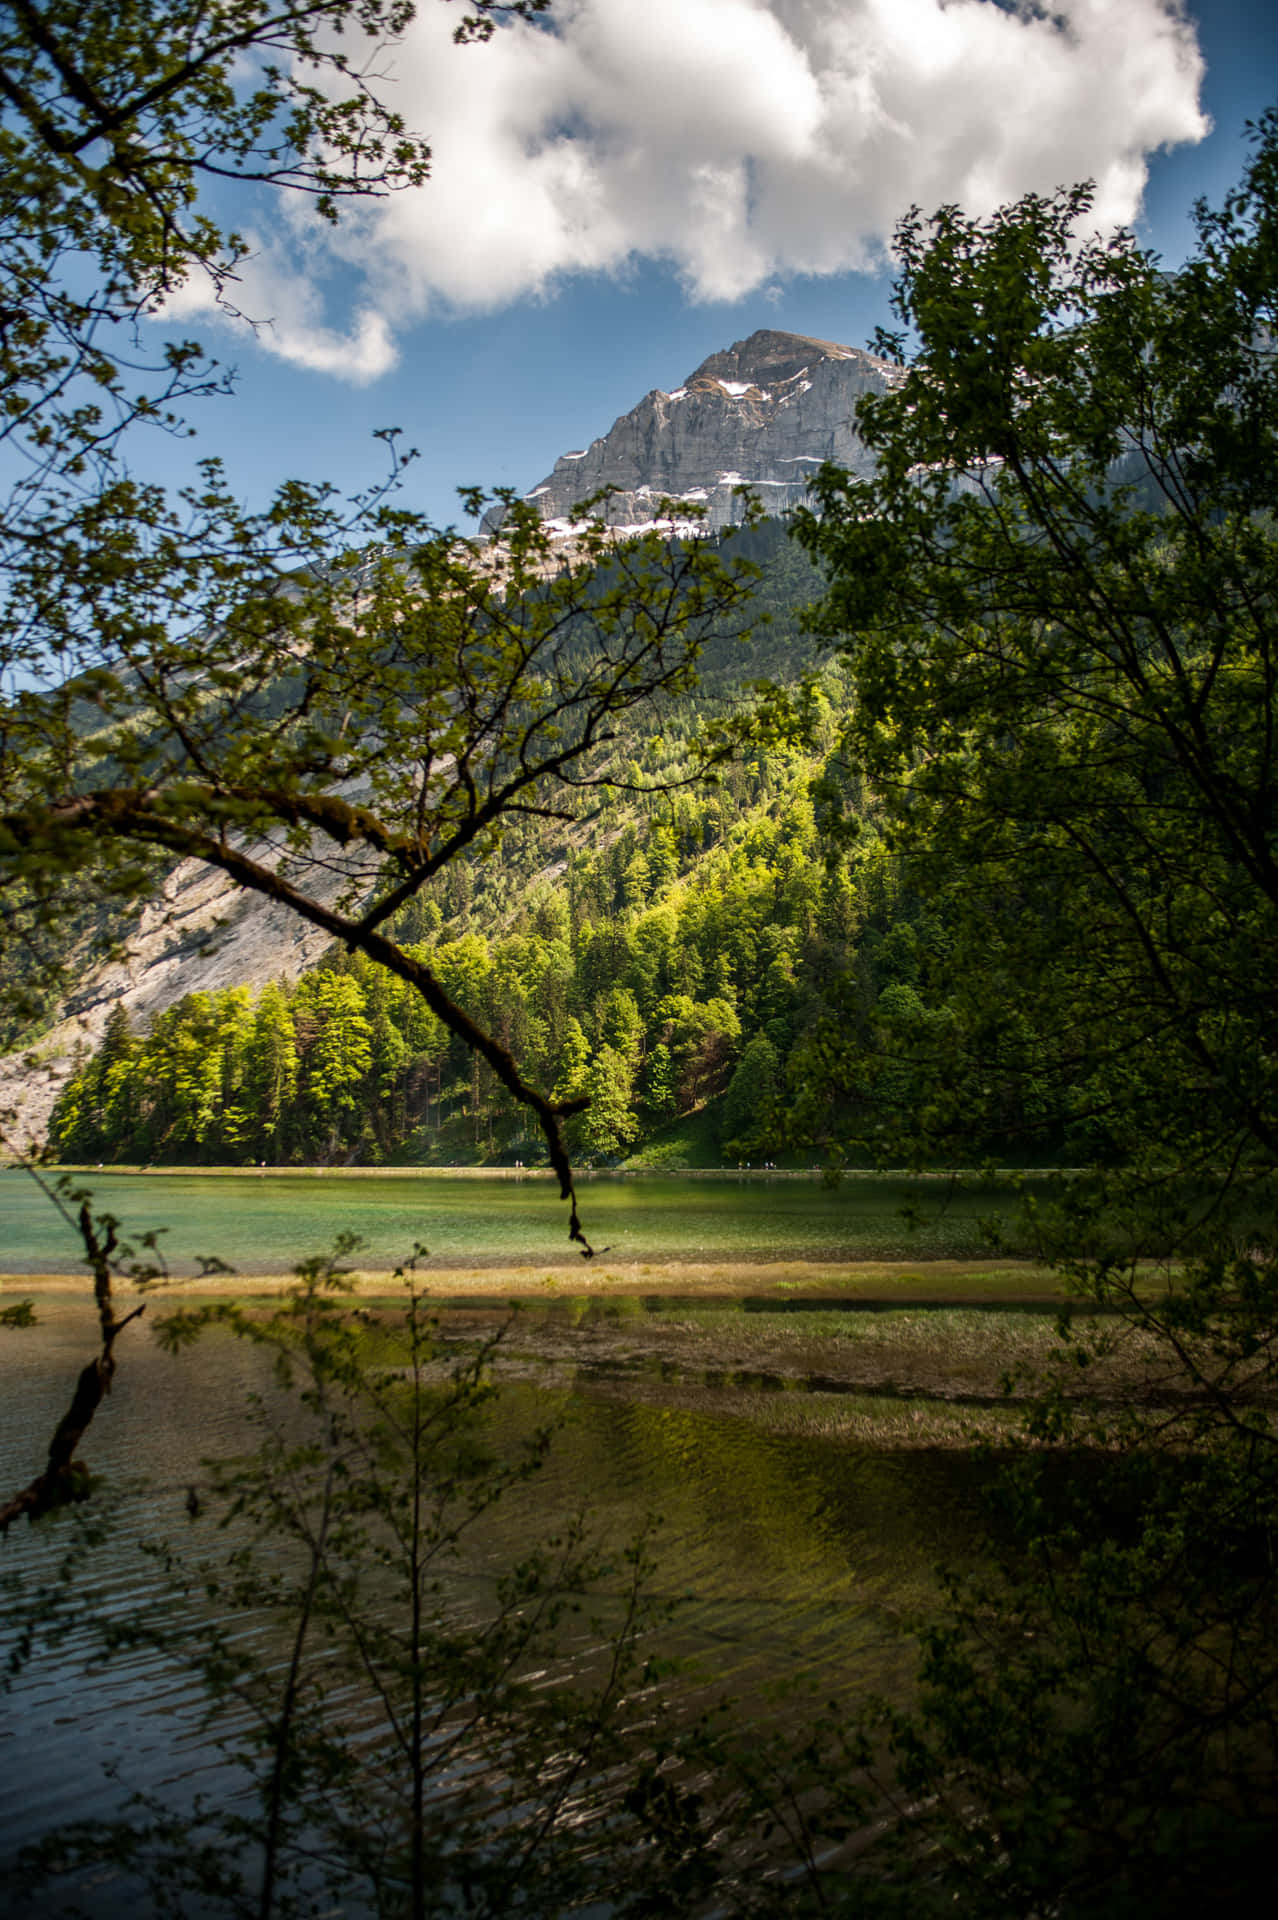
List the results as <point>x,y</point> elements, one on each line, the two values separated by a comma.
<point>683,959</point>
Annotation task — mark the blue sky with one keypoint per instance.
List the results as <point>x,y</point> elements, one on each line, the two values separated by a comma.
<point>616,200</point>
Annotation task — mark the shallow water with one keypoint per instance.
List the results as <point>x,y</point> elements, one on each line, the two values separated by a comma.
<point>787,1560</point>
<point>265,1222</point>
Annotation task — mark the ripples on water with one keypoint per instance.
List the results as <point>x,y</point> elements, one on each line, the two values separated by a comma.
<point>69,1720</point>
<point>787,1560</point>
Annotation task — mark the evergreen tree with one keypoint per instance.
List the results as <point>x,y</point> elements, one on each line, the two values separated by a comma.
<point>574,1061</point>
<point>659,1084</point>
<point>337,1058</point>
<point>270,1071</point>
<point>751,1106</point>
<point>608,1125</point>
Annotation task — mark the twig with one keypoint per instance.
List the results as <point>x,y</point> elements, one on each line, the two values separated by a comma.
<point>65,1478</point>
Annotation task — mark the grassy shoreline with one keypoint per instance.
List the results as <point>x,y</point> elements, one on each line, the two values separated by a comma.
<point>1008,1283</point>
<point>887,1355</point>
<point>884,1355</point>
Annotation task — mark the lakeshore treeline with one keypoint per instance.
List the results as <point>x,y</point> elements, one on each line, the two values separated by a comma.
<point>683,963</point>
<point>678,961</point>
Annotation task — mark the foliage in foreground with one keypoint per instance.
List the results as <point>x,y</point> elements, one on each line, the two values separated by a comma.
<point>406,1722</point>
<point>1057,599</point>
<point>390,1741</point>
<point>1057,602</point>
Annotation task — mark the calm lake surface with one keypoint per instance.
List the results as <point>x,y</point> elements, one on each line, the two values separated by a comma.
<point>264,1223</point>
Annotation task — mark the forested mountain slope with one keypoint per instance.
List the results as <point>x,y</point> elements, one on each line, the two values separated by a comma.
<point>198,932</point>
<point>635,953</point>
<point>696,961</point>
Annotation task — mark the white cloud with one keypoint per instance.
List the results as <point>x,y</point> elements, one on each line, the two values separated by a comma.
<point>286,308</point>
<point>742,140</point>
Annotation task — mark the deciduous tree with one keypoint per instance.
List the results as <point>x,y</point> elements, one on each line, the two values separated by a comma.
<point>329,700</point>
<point>1057,597</point>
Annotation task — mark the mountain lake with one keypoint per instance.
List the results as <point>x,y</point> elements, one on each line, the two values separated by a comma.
<point>785,1381</point>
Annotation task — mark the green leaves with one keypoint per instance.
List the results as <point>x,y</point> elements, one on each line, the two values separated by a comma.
<point>333,703</point>
<point>1057,599</point>
<point>401,1729</point>
<point>116,120</point>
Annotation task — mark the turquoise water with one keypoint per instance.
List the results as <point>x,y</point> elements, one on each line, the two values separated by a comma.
<point>264,1223</point>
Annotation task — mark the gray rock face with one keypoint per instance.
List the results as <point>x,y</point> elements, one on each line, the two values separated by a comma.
<point>200,935</point>
<point>765,413</point>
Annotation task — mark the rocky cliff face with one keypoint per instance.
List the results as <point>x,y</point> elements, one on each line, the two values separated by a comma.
<point>199,935</point>
<point>765,413</point>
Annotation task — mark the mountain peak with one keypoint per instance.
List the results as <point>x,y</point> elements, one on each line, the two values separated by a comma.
<point>769,357</point>
<point>763,413</point>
